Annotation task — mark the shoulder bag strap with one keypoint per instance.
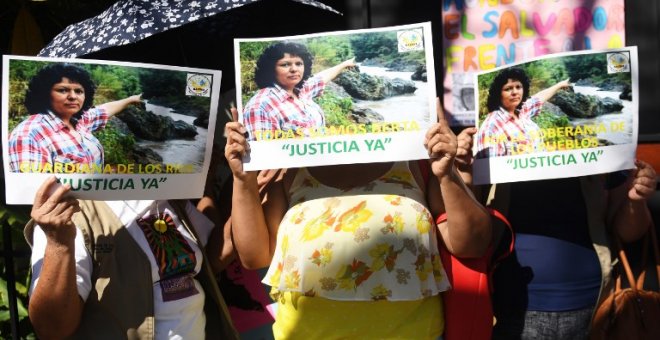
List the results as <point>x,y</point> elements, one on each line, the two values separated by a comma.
<point>656,252</point>
<point>638,284</point>
<point>626,265</point>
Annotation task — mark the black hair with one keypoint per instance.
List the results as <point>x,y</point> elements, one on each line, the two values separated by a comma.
<point>37,96</point>
<point>495,91</point>
<point>264,74</point>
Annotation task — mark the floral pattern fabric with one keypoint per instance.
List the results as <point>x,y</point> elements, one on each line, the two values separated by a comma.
<point>128,21</point>
<point>373,242</point>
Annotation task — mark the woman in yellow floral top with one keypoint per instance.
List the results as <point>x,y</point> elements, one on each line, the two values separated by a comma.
<point>352,248</point>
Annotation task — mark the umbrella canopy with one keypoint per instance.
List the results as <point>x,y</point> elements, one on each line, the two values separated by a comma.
<point>128,21</point>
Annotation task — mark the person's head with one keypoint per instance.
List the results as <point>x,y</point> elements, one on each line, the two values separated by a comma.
<point>509,90</point>
<point>60,87</point>
<point>284,63</point>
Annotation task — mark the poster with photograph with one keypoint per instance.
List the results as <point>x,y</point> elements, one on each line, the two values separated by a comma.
<point>111,130</point>
<point>336,98</point>
<point>563,115</point>
<point>482,35</point>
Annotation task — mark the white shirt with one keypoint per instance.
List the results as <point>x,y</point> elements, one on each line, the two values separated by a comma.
<point>177,319</point>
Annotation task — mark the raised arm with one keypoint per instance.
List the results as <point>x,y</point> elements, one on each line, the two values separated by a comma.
<point>467,230</point>
<point>545,95</point>
<point>254,225</point>
<point>331,73</point>
<point>112,108</point>
<point>629,202</point>
<point>55,307</point>
<point>216,205</point>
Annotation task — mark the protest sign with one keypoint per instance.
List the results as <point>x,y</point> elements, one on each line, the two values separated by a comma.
<point>479,35</point>
<point>336,98</point>
<point>111,130</point>
<point>562,115</point>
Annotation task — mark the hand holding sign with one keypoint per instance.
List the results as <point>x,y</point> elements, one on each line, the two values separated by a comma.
<point>53,212</point>
<point>465,141</point>
<point>644,183</point>
<point>237,146</point>
<point>441,144</point>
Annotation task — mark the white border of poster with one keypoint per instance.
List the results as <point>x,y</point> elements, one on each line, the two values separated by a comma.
<point>165,180</point>
<point>593,144</point>
<point>397,138</point>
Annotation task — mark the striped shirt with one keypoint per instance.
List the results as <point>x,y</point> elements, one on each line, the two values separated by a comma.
<point>502,134</point>
<point>272,110</point>
<point>45,139</point>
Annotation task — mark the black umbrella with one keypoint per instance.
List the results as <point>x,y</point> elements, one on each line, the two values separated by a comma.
<point>128,21</point>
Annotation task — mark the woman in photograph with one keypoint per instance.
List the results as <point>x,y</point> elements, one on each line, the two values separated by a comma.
<point>352,249</point>
<point>59,130</point>
<point>509,129</point>
<point>285,100</point>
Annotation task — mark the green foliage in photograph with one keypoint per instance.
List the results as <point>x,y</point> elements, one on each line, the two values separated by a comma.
<point>20,73</point>
<point>162,83</point>
<point>15,120</point>
<point>544,73</point>
<point>484,82</point>
<point>377,45</point>
<point>249,54</point>
<point>117,146</point>
<point>17,100</point>
<point>337,110</point>
<point>328,51</point>
<point>546,120</point>
<point>24,69</point>
<point>588,66</point>
<point>411,58</point>
<point>114,82</point>
<point>593,69</point>
<point>382,47</point>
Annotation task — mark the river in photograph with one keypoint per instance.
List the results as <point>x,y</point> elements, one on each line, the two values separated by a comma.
<point>625,116</point>
<point>178,151</point>
<point>414,106</point>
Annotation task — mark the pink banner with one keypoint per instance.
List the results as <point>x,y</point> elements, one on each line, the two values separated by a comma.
<point>479,35</point>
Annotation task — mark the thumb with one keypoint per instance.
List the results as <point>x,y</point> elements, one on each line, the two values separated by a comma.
<point>234,114</point>
<point>470,130</point>
<point>42,193</point>
<point>440,112</point>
